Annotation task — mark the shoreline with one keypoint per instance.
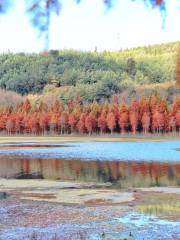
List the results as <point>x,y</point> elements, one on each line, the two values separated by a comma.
<point>85,138</point>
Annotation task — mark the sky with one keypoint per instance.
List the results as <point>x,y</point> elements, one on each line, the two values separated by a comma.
<point>90,25</point>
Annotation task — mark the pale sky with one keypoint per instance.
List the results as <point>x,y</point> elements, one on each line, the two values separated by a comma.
<point>89,25</point>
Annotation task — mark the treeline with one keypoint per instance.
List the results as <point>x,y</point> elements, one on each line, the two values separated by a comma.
<point>146,115</point>
<point>90,75</point>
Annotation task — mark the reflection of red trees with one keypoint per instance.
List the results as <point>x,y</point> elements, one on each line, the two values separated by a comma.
<point>147,115</point>
<point>26,166</point>
<point>130,172</point>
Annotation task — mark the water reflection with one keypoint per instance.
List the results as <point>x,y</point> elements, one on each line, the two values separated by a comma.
<point>121,173</point>
<point>161,209</point>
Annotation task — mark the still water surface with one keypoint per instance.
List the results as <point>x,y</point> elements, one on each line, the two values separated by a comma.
<point>122,163</point>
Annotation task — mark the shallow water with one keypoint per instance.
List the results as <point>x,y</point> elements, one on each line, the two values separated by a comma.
<point>120,173</point>
<point>111,151</point>
<point>139,226</point>
<point>126,164</point>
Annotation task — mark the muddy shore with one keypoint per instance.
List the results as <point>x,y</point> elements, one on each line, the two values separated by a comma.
<point>77,210</point>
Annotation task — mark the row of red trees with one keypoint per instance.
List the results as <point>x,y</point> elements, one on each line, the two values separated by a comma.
<point>146,115</point>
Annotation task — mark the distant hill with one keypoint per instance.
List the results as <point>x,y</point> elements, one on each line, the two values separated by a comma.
<point>92,75</point>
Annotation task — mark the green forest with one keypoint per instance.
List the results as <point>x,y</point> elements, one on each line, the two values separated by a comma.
<point>92,75</point>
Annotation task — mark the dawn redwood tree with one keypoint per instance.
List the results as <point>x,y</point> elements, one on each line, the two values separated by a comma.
<point>147,115</point>
<point>44,122</point>
<point>54,122</point>
<point>175,112</point>
<point>146,122</point>
<point>177,116</point>
<point>154,106</point>
<point>18,127</point>
<point>34,124</point>
<point>176,105</point>
<point>155,115</point>
<point>95,109</point>
<point>72,121</point>
<point>3,120</point>
<point>102,125</point>
<point>43,107</point>
<point>134,116</point>
<point>172,123</point>
<point>81,123</point>
<point>115,107</point>
<point>57,107</point>
<point>90,123</point>
<point>162,119</point>
<point>64,122</point>
<point>111,121</point>
<point>123,120</point>
<point>144,115</point>
<point>26,107</point>
<point>25,124</point>
<point>10,124</point>
<point>153,103</point>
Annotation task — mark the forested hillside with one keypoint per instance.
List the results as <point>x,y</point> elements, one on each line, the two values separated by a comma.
<point>98,76</point>
<point>129,91</point>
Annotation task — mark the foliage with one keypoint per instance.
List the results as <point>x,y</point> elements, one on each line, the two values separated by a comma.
<point>146,115</point>
<point>90,75</point>
<point>8,98</point>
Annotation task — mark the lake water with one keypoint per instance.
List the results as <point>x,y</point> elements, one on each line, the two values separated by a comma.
<point>123,163</point>
<point>111,151</point>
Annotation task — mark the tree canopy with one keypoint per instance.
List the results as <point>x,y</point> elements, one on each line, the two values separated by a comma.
<point>90,75</point>
<point>147,115</point>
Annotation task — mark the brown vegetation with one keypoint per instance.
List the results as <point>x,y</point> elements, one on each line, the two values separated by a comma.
<point>146,115</point>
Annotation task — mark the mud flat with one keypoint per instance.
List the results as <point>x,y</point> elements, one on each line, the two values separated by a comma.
<point>44,209</point>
